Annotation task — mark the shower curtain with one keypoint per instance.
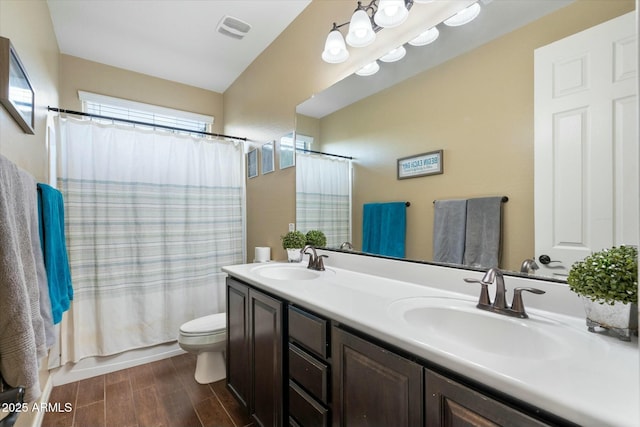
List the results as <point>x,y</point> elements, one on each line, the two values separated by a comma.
<point>323,196</point>
<point>150,219</point>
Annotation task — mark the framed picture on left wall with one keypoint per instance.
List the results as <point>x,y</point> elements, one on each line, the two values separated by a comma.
<point>16,92</point>
<point>252,163</point>
<point>267,157</point>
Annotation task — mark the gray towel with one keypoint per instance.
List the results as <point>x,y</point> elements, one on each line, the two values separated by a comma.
<point>483,236</point>
<point>41,272</point>
<point>22,337</point>
<point>449,227</point>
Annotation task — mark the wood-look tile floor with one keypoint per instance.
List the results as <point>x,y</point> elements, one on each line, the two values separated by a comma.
<point>158,394</point>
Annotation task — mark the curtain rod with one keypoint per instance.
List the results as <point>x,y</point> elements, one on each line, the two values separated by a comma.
<point>134,122</point>
<point>326,154</point>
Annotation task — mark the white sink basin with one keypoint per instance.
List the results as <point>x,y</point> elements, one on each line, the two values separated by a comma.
<point>288,272</point>
<point>458,324</point>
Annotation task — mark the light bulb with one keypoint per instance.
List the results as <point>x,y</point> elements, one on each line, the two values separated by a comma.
<point>465,16</point>
<point>426,37</point>
<point>361,33</point>
<point>369,69</point>
<point>335,51</point>
<point>391,13</point>
<point>394,55</point>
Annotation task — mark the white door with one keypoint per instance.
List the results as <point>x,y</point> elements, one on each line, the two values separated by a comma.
<point>586,144</point>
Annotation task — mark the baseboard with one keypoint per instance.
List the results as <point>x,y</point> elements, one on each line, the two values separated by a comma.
<point>94,366</point>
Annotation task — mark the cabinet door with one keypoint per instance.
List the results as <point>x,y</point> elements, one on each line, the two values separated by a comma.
<point>238,355</point>
<point>448,403</point>
<point>373,386</point>
<point>267,355</point>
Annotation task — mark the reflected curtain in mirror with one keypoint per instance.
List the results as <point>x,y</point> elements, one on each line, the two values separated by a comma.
<point>323,196</point>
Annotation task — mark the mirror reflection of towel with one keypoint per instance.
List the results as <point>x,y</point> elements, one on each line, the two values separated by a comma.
<point>449,229</point>
<point>483,234</point>
<point>384,228</point>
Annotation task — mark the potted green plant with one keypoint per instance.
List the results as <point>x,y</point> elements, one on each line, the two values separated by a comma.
<point>316,238</point>
<point>607,281</point>
<point>293,242</point>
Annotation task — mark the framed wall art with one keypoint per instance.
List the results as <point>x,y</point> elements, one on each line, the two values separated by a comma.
<point>16,92</point>
<point>267,157</point>
<point>420,165</point>
<point>287,151</point>
<point>252,163</point>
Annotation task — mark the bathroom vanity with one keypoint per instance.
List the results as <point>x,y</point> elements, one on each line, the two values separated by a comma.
<point>373,341</point>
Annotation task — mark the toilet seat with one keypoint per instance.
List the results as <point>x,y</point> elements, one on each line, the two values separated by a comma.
<point>207,325</point>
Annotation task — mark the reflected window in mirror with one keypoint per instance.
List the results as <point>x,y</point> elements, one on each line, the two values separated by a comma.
<point>323,196</point>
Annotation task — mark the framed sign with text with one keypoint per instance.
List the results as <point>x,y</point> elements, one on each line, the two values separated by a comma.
<point>420,165</point>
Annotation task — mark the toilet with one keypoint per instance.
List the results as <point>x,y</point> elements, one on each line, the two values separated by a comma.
<point>207,337</point>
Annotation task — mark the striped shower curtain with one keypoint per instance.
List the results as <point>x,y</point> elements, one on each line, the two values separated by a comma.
<point>150,219</point>
<point>323,196</point>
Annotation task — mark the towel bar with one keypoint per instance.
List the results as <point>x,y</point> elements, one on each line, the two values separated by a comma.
<point>505,199</point>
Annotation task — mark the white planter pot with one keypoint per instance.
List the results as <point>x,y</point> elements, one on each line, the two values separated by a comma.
<point>620,319</point>
<point>294,255</point>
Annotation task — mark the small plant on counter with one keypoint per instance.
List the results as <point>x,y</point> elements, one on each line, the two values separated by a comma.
<point>607,276</point>
<point>293,240</point>
<point>316,238</point>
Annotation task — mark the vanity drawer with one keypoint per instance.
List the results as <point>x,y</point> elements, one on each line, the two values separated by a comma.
<point>308,330</point>
<point>309,373</point>
<point>304,409</point>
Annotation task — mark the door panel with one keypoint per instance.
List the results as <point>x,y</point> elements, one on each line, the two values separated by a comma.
<point>586,154</point>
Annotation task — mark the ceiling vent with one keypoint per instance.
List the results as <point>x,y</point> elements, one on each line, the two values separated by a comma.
<point>233,27</point>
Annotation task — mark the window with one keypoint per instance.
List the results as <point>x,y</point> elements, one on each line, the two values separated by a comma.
<point>146,113</point>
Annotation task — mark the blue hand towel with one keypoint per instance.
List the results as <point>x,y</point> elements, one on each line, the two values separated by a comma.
<point>54,249</point>
<point>384,228</point>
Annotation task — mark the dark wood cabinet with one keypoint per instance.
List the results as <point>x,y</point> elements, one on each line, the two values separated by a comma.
<point>373,386</point>
<point>294,367</point>
<point>309,369</point>
<point>255,350</point>
<point>238,355</point>
<point>449,403</point>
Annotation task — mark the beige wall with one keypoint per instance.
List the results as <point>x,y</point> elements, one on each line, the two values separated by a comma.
<point>28,25</point>
<point>487,138</point>
<point>261,103</point>
<point>80,74</point>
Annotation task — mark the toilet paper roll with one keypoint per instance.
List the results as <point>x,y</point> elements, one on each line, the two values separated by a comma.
<point>262,254</point>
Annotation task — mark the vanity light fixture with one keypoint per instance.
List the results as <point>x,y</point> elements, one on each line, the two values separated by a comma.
<point>391,13</point>
<point>368,19</point>
<point>365,22</point>
<point>361,32</point>
<point>395,55</point>
<point>335,50</point>
<point>465,16</point>
<point>426,37</point>
<point>369,69</point>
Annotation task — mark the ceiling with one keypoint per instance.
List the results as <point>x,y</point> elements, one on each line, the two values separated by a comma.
<point>171,39</point>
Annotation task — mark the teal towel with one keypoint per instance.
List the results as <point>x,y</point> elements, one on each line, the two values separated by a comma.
<point>54,249</point>
<point>384,228</point>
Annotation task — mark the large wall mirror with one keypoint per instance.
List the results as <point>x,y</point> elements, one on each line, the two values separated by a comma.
<point>470,94</point>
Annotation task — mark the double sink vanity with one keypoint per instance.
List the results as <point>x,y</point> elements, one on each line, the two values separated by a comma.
<point>381,342</point>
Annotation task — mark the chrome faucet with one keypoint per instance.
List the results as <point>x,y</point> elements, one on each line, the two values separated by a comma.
<point>315,261</point>
<point>347,246</point>
<point>529,266</point>
<point>499,304</point>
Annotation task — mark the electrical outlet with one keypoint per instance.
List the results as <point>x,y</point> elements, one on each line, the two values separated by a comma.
<point>292,226</point>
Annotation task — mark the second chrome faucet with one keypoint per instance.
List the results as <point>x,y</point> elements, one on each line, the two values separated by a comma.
<point>315,260</point>
<point>499,305</point>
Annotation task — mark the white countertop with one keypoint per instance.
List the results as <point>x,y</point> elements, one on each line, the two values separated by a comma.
<point>593,382</point>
